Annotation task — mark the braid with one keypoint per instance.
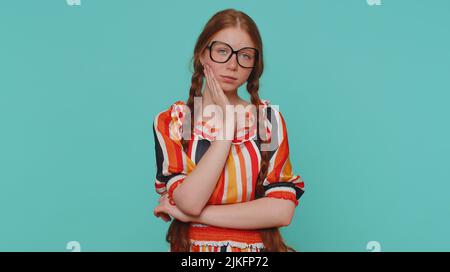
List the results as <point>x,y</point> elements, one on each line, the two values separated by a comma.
<point>194,91</point>
<point>252,88</point>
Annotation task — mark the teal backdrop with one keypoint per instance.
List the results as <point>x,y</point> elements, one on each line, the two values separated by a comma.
<point>364,89</point>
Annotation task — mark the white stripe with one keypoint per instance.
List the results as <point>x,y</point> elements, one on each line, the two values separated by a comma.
<point>280,128</point>
<point>199,225</point>
<point>161,190</point>
<point>270,168</point>
<point>173,180</point>
<point>258,154</point>
<point>229,248</point>
<point>296,179</point>
<point>279,140</point>
<point>194,149</point>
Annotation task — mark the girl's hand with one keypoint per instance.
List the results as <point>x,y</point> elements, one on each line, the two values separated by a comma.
<point>164,216</point>
<point>165,210</point>
<point>217,94</point>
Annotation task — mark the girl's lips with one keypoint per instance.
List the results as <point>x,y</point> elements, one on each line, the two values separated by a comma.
<point>228,79</point>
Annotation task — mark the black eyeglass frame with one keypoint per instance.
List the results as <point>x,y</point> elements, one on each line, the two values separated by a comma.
<point>233,52</point>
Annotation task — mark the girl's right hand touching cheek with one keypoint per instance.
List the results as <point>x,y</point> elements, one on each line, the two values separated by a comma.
<point>218,96</point>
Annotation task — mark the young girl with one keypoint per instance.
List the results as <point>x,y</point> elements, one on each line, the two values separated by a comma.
<point>227,194</point>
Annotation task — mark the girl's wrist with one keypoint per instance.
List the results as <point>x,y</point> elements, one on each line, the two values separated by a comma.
<point>196,219</point>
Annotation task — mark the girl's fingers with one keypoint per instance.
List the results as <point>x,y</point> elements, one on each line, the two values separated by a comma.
<point>156,212</point>
<point>210,82</point>
<point>213,78</point>
<point>216,84</point>
<point>217,93</point>
<point>218,88</point>
<point>165,217</point>
<point>159,212</point>
<point>208,79</point>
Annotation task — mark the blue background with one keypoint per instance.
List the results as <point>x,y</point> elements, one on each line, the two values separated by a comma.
<point>364,91</point>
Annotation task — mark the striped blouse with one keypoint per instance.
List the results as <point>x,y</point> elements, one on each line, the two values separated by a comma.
<point>238,178</point>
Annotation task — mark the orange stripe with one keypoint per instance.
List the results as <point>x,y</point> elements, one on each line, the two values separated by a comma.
<point>280,160</point>
<point>287,172</point>
<point>243,173</point>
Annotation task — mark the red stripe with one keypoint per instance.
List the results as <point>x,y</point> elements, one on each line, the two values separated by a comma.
<point>190,147</point>
<point>284,195</point>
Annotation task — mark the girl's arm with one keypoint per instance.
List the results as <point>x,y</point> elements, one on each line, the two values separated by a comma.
<point>194,192</point>
<point>261,213</point>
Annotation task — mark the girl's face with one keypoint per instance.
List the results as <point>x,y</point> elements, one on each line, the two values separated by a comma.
<point>237,39</point>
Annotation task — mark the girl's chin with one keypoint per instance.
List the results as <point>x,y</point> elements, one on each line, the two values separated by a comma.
<point>228,87</point>
<point>228,90</point>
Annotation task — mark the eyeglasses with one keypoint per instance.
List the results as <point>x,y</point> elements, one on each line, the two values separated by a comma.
<point>221,52</point>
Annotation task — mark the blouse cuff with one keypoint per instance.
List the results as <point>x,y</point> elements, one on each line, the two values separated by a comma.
<point>290,190</point>
<point>284,193</point>
<point>172,185</point>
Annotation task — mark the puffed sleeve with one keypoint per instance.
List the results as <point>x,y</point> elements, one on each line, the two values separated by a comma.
<point>172,163</point>
<point>281,181</point>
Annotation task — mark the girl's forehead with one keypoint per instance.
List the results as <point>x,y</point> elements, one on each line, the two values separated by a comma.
<point>235,37</point>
